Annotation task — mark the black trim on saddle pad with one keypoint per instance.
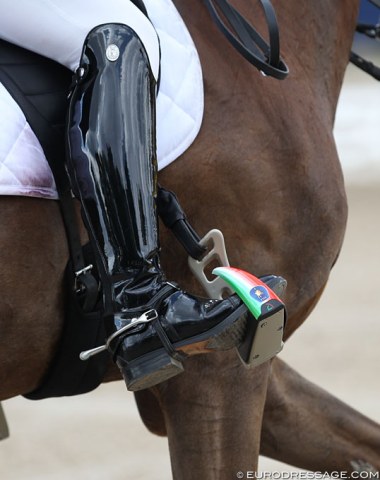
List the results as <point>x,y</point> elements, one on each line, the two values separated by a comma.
<point>40,87</point>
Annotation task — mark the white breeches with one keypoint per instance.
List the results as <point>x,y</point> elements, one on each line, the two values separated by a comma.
<point>57,28</point>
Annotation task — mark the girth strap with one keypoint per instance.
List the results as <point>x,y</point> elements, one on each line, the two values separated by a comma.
<point>48,126</point>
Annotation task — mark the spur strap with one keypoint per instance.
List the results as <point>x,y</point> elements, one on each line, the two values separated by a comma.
<point>247,41</point>
<point>166,342</point>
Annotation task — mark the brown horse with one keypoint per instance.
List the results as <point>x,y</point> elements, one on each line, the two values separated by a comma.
<point>265,171</point>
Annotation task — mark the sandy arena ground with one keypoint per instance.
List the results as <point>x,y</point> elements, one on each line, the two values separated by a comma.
<point>99,436</point>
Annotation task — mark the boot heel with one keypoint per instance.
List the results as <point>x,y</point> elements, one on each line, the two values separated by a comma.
<point>149,370</point>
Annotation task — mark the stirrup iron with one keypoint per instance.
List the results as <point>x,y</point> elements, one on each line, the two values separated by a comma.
<point>268,315</point>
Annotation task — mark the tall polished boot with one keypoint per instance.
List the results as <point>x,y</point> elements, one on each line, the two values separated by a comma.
<point>152,324</point>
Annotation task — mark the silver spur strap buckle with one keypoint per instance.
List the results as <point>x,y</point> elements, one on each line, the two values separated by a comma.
<point>146,317</point>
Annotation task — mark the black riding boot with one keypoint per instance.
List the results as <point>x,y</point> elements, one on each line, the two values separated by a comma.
<point>112,165</point>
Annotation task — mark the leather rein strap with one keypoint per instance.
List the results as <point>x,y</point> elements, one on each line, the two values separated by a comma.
<point>266,57</point>
<point>247,41</point>
<point>371,31</point>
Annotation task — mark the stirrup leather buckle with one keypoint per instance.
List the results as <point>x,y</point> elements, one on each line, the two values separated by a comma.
<point>79,285</point>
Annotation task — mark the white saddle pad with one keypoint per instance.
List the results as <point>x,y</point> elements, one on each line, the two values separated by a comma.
<point>23,167</point>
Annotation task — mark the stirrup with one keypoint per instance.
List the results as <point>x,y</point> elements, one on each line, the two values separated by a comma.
<point>264,338</point>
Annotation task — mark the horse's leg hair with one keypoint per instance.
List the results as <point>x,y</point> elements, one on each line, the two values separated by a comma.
<point>307,427</point>
<point>211,434</point>
<point>322,441</point>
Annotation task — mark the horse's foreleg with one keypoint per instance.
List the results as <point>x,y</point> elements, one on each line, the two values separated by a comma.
<point>151,412</point>
<point>326,434</point>
<point>213,435</point>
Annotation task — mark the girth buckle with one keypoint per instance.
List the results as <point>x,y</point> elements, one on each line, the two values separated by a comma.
<point>84,270</point>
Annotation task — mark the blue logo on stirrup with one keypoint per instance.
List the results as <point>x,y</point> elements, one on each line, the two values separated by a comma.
<point>259,293</point>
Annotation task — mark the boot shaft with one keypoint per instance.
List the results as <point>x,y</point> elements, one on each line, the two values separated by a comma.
<point>112,147</point>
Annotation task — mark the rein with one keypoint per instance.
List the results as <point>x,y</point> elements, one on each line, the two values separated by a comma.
<point>266,56</point>
<point>246,39</point>
<point>373,32</point>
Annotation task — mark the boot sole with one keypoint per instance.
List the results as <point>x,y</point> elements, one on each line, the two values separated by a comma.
<point>158,366</point>
<point>149,370</point>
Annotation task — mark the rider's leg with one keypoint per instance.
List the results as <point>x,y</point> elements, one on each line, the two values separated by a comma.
<point>112,163</point>
<point>113,168</point>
